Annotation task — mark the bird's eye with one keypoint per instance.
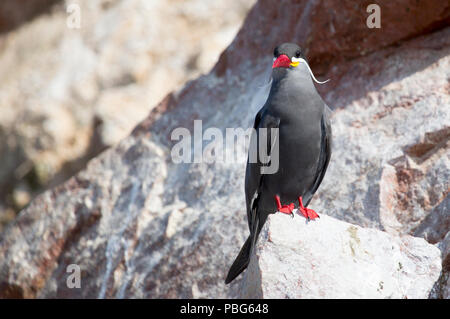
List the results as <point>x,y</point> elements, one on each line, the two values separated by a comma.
<point>298,54</point>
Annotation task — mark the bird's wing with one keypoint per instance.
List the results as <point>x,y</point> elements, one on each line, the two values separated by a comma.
<point>253,177</point>
<point>325,155</point>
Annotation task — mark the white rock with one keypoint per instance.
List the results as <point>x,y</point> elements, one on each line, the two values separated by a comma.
<point>328,258</point>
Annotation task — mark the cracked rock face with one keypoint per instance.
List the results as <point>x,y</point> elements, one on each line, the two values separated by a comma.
<point>139,225</point>
<point>328,258</point>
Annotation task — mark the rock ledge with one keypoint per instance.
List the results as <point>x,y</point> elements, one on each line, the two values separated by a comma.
<point>328,258</point>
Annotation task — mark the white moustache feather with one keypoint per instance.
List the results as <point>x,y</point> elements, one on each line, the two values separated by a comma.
<point>294,59</point>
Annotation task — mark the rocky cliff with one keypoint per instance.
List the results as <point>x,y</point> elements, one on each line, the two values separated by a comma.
<point>139,225</point>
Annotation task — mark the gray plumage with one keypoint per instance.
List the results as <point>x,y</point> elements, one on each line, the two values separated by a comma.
<point>304,143</point>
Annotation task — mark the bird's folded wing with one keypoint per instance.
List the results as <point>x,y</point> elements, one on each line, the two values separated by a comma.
<point>325,155</point>
<point>254,179</point>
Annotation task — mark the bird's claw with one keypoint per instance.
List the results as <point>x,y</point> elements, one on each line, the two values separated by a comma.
<point>286,209</point>
<point>309,213</point>
<point>306,212</point>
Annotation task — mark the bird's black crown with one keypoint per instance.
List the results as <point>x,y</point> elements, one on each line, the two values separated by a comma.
<point>289,49</point>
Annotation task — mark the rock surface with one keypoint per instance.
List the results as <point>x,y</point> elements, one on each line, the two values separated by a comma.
<point>139,225</point>
<point>68,92</point>
<point>328,258</point>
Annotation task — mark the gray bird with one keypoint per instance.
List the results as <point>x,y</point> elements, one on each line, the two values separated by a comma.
<point>298,135</point>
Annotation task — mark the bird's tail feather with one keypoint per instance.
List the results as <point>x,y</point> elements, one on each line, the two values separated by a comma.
<point>241,261</point>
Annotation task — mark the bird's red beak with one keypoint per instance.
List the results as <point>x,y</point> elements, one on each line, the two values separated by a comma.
<point>282,61</point>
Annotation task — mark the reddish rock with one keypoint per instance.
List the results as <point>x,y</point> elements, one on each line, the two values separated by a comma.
<point>13,13</point>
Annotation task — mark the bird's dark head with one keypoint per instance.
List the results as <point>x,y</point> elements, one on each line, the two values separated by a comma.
<point>287,55</point>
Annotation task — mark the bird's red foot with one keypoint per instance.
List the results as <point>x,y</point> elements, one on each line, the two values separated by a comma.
<point>308,213</point>
<point>286,209</point>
